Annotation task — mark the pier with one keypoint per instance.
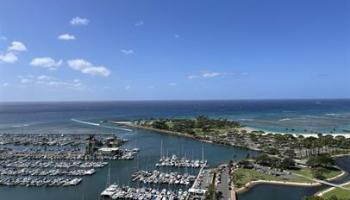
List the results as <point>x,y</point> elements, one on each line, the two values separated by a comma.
<point>201,184</point>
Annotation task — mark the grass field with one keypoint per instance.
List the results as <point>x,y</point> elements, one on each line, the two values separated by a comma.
<point>326,173</point>
<point>243,176</point>
<point>339,193</point>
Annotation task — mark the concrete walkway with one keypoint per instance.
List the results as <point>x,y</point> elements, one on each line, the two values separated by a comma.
<point>324,182</point>
<point>330,189</point>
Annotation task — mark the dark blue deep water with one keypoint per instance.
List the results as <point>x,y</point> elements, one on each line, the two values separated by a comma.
<point>271,115</point>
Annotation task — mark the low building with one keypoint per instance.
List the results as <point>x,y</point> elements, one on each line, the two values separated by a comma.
<point>109,150</point>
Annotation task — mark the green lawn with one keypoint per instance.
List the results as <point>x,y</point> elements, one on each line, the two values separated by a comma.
<point>327,173</point>
<point>243,176</point>
<point>299,179</point>
<point>339,193</point>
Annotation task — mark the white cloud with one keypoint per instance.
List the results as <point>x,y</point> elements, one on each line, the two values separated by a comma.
<point>49,81</point>
<point>26,80</point>
<point>52,81</point>
<point>58,83</point>
<point>78,21</point>
<point>11,55</point>
<point>66,36</point>
<point>193,76</point>
<point>17,46</point>
<point>45,78</point>
<point>88,68</point>
<point>46,62</point>
<point>5,84</point>
<point>139,23</point>
<point>3,38</point>
<point>206,75</point>
<point>127,87</point>
<point>8,58</point>
<point>173,84</point>
<point>211,74</point>
<point>127,51</point>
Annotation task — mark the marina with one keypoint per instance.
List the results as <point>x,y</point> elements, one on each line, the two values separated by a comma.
<point>29,163</point>
<point>175,161</point>
<point>157,177</point>
<point>201,184</point>
<point>125,192</point>
<point>121,171</point>
<point>45,172</point>
<point>38,160</point>
<point>39,181</point>
<point>175,100</point>
<point>42,139</point>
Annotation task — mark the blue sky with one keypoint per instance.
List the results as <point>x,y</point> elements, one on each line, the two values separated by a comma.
<point>165,49</point>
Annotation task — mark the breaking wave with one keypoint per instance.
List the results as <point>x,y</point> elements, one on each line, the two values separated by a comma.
<point>20,125</point>
<point>246,119</point>
<point>85,122</point>
<point>97,124</point>
<point>285,119</point>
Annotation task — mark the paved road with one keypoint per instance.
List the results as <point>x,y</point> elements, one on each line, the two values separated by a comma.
<point>224,185</point>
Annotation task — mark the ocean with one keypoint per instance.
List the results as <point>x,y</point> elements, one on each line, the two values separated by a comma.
<point>297,116</point>
<point>87,117</point>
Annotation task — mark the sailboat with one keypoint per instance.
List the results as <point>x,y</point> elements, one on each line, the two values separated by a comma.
<point>110,189</point>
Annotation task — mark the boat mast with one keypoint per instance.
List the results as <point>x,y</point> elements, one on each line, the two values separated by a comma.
<point>202,152</point>
<point>109,175</point>
<point>161,148</point>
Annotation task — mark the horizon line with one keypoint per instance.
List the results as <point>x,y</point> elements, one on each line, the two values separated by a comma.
<point>170,100</point>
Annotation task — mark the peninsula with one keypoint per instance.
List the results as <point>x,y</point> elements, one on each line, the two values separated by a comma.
<point>285,159</point>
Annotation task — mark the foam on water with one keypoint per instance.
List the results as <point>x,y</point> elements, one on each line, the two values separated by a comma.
<point>97,124</point>
<point>85,122</point>
<point>285,119</point>
<point>117,128</point>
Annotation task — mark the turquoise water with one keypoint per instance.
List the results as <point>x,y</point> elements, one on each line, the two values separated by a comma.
<point>315,115</point>
<point>271,115</point>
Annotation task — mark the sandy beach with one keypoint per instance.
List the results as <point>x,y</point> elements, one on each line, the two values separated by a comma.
<point>250,129</point>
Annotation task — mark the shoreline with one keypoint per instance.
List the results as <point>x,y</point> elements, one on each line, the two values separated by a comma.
<point>246,128</point>
<point>343,173</point>
<point>201,139</point>
<point>325,191</point>
<point>251,184</point>
<point>296,134</point>
<point>130,124</point>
